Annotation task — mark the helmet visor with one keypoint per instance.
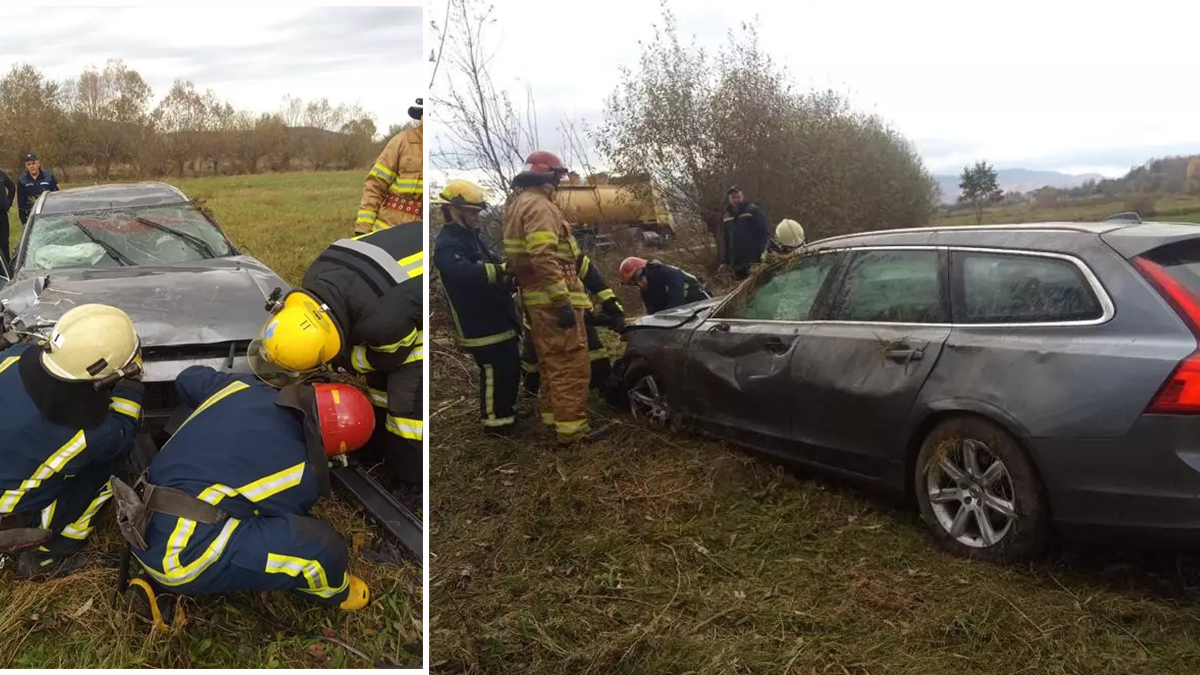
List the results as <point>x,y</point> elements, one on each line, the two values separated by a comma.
<point>268,372</point>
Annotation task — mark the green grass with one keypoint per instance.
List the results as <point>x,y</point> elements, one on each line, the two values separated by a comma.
<point>284,220</point>
<point>656,553</point>
<point>1177,208</point>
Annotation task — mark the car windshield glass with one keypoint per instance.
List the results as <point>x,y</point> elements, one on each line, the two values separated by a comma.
<point>141,236</point>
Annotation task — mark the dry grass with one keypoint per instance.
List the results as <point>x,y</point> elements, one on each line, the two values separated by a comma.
<point>652,553</point>
<point>285,220</point>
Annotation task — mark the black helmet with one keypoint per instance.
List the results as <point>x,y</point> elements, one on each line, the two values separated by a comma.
<point>414,111</point>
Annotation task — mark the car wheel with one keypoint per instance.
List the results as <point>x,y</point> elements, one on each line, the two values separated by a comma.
<point>979,493</point>
<point>648,399</point>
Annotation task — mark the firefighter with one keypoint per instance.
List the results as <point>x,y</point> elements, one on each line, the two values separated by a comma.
<point>613,317</point>
<point>395,188</point>
<point>541,254</point>
<point>662,286</point>
<point>744,234</point>
<point>68,421</point>
<point>224,505</point>
<point>31,185</point>
<point>789,237</point>
<point>479,289</point>
<point>360,308</point>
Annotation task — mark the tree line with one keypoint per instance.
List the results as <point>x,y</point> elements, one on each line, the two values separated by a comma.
<point>104,125</point>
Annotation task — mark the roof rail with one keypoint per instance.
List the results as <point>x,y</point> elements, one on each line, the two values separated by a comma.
<point>1124,217</point>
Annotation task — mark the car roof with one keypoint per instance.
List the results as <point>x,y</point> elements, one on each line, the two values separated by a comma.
<point>1129,238</point>
<point>116,195</point>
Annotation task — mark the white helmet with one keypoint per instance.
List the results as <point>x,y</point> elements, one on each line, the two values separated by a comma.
<point>91,342</point>
<point>789,233</point>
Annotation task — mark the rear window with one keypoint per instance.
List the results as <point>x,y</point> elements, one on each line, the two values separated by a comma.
<point>1182,261</point>
<point>1015,288</point>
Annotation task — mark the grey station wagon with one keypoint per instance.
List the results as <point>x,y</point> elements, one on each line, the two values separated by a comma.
<point>1015,380</point>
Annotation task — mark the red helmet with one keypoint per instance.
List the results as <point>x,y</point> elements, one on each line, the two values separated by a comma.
<point>540,161</point>
<point>345,417</point>
<point>630,268</point>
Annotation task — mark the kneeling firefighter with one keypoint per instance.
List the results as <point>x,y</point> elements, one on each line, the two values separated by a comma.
<point>662,286</point>
<point>360,307</point>
<point>480,290</point>
<point>69,414</point>
<point>224,505</point>
<point>613,317</point>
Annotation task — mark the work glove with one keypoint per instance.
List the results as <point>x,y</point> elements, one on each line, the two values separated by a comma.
<point>615,313</point>
<point>566,316</point>
<point>503,276</point>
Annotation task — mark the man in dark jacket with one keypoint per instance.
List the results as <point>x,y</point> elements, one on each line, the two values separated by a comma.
<point>744,234</point>
<point>8,193</point>
<point>32,184</point>
<point>662,286</point>
<point>480,292</point>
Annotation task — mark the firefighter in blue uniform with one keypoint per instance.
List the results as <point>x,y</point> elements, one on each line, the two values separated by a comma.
<point>480,292</point>
<point>31,185</point>
<point>662,286</point>
<point>224,505</point>
<point>613,317</point>
<point>360,307</point>
<point>744,234</point>
<point>68,420</point>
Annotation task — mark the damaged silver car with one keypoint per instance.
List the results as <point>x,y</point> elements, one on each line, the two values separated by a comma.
<point>150,250</point>
<point>1013,381</point>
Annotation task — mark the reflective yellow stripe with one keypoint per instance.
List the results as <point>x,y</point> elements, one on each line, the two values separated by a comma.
<point>272,485</point>
<point>483,341</point>
<point>366,217</point>
<point>313,572</point>
<point>570,428</point>
<point>8,362</point>
<point>413,265</point>
<point>408,341</point>
<point>383,172</point>
<point>126,407</point>
<point>532,298</point>
<point>407,188</point>
<point>48,514</point>
<point>597,354</point>
<point>499,421</point>
<point>490,270</point>
<point>358,359</point>
<point>539,239</point>
<point>557,289</point>
<point>606,295</point>
<point>212,400</point>
<point>418,353</point>
<point>379,225</point>
<point>529,367</point>
<point>489,391</point>
<point>378,397</point>
<point>515,246</point>
<point>548,419</point>
<point>82,527</point>
<point>174,572</point>
<point>48,468</point>
<point>405,427</point>
<point>585,267</point>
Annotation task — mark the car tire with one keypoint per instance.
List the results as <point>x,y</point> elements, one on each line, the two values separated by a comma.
<point>992,506</point>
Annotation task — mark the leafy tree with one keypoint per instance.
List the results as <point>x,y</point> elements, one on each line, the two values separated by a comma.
<point>1193,176</point>
<point>980,187</point>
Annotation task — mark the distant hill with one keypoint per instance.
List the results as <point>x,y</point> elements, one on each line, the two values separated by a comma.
<point>1017,180</point>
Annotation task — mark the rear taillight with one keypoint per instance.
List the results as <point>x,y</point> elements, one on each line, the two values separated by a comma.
<point>1180,394</point>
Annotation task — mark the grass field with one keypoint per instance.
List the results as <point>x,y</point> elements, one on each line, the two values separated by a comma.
<point>655,553</point>
<point>284,220</point>
<point>1175,208</point>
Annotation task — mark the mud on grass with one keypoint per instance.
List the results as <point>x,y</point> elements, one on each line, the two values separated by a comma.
<point>285,220</point>
<point>648,553</point>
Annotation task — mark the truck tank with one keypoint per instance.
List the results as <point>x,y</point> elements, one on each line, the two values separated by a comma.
<point>600,210</point>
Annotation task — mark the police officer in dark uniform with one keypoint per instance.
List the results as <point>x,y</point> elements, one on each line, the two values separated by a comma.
<point>360,307</point>
<point>480,292</point>
<point>662,286</point>
<point>228,496</point>
<point>31,185</point>
<point>613,317</point>
<point>68,422</point>
<point>744,234</point>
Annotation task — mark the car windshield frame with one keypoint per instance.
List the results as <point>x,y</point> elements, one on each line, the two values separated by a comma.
<point>129,215</point>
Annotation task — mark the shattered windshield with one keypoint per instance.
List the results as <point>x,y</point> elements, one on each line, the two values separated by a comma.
<point>139,236</point>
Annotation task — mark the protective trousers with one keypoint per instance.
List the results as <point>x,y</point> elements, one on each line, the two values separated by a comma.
<point>564,368</point>
<point>398,419</point>
<point>72,515</point>
<point>597,353</point>
<point>499,382</point>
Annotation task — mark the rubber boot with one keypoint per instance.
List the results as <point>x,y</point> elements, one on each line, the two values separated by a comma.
<point>359,596</point>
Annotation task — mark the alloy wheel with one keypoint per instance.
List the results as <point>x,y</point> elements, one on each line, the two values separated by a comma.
<point>971,493</point>
<point>647,401</point>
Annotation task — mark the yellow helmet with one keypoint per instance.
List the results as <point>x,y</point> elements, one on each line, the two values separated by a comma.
<point>91,342</point>
<point>463,194</point>
<point>789,233</point>
<point>298,338</point>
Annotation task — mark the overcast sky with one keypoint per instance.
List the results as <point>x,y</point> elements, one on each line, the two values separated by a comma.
<point>1064,85</point>
<point>251,56</point>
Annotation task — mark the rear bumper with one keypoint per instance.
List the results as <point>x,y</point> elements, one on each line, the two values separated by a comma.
<point>1143,488</point>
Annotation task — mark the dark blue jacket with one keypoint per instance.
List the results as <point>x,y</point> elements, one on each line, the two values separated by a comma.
<point>668,286</point>
<point>744,236</point>
<point>482,308</point>
<point>37,456</point>
<point>247,455</point>
<point>30,188</point>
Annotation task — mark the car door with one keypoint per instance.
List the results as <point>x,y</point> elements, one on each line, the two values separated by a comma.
<point>858,370</point>
<point>738,359</point>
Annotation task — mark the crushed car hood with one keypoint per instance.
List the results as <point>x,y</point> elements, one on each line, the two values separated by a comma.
<point>676,316</point>
<point>217,300</point>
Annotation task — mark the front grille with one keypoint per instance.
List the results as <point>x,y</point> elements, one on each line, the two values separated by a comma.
<point>160,397</point>
<point>215,350</point>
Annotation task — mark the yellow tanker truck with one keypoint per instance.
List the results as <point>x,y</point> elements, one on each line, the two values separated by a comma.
<point>601,211</point>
